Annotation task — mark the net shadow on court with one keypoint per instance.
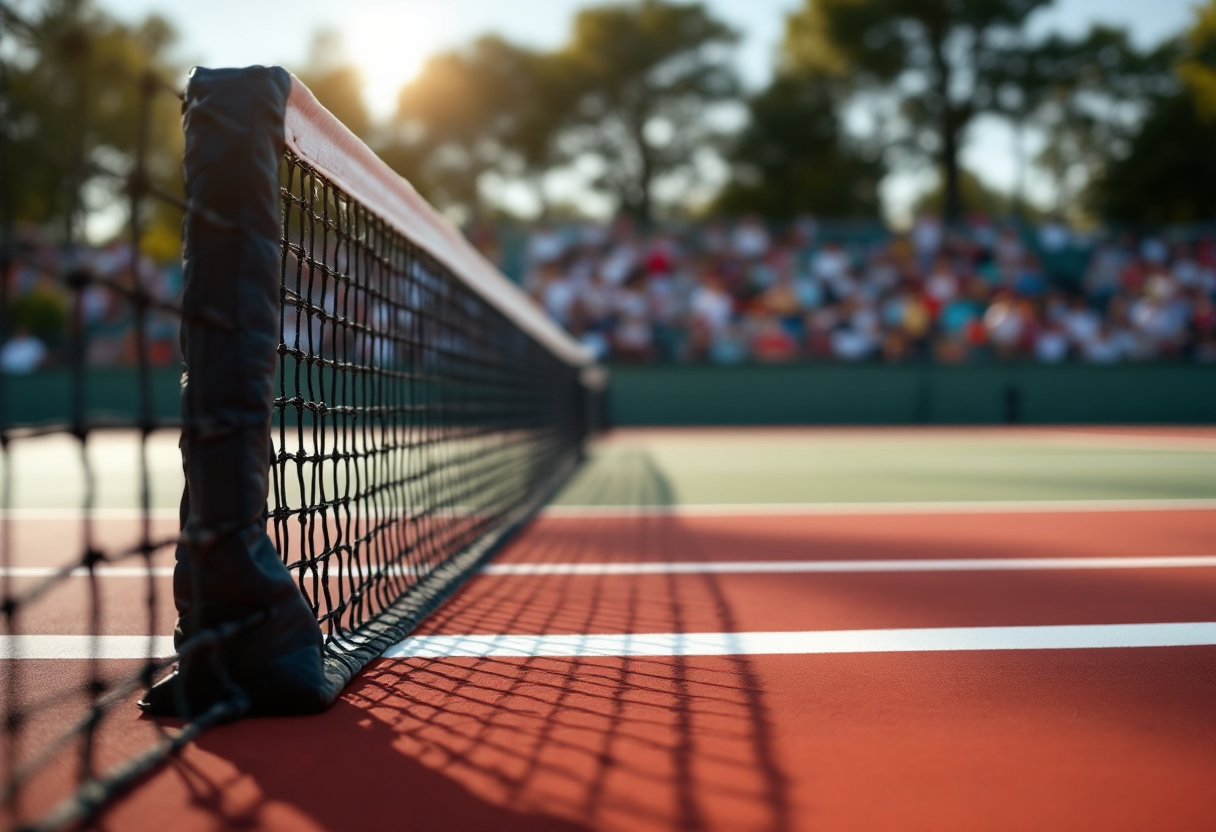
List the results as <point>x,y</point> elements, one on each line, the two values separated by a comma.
<point>533,743</point>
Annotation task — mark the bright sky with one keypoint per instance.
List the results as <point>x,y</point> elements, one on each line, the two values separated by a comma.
<point>390,39</point>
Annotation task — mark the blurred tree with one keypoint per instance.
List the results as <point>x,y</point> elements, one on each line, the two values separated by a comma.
<point>793,158</point>
<point>489,106</point>
<point>1197,64</point>
<point>336,82</point>
<point>73,82</point>
<point>1088,96</point>
<point>643,75</point>
<point>1164,169</point>
<point>978,196</point>
<point>934,57</point>
<point>1168,173</point>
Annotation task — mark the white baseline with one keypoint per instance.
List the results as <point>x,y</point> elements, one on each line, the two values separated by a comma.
<point>773,567</point>
<point>938,639</point>
<point>848,566</point>
<point>560,512</point>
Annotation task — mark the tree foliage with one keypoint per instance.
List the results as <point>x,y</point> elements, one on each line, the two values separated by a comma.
<point>1164,169</point>
<point>1168,173</point>
<point>491,105</point>
<point>1087,96</point>
<point>793,157</point>
<point>934,58</point>
<point>71,95</point>
<point>644,75</point>
<point>628,93</point>
<point>979,196</point>
<point>1197,62</point>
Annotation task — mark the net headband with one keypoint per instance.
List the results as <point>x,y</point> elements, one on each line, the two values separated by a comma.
<point>317,137</point>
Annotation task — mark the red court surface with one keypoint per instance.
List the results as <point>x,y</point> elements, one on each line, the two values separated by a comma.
<point>1102,739</point>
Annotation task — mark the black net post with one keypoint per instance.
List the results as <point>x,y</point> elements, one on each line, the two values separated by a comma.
<point>228,570</point>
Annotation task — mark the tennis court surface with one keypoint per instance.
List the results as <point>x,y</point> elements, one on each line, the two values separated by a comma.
<point>787,629</point>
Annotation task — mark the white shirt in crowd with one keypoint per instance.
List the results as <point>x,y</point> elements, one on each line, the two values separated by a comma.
<point>1081,324</point>
<point>830,264</point>
<point>1003,321</point>
<point>751,240</point>
<point>942,286</point>
<point>545,245</point>
<point>1051,347</point>
<point>618,264</point>
<point>712,306</point>
<point>1053,236</point>
<point>927,236</point>
<point>559,299</point>
<point>22,354</point>
<point>1153,250</point>
<point>1102,349</point>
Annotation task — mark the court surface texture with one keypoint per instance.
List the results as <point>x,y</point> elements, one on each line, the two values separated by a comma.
<point>751,629</point>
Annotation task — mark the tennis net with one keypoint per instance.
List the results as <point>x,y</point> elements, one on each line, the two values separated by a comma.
<point>367,410</point>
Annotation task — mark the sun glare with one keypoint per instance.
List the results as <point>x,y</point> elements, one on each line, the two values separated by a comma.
<point>390,50</point>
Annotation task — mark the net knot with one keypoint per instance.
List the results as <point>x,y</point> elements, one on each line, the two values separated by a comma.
<point>78,278</point>
<point>92,557</point>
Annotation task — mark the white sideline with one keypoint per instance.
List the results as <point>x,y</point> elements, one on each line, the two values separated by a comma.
<point>846,566</point>
<point>84,647</point>
<point>167,571</point>
<point>831,509</point>
<point>937,639</point>
<point>726,509</point>
<point>724,567</point>
<point>1088,636</point>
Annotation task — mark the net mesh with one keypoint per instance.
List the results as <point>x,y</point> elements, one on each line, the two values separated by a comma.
<point>414,420</point>
<point>75,437</point>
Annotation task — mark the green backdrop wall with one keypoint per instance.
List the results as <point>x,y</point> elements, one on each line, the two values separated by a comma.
<point>109,393</point>
<point>771,395</point>
<point>880,394</point>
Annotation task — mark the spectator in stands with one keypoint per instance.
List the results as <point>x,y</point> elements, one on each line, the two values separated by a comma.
<point>22,354</point>
<point>730,292</point>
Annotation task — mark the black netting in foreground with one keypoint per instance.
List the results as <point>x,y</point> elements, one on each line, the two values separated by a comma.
<point>401,428</point>
<point>88,335</point>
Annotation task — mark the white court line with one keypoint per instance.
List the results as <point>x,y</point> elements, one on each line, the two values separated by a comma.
<point>723,567</point>
<point>84,647</point>
<point>1087,636</point>
<point>167,571</point>
<point>832,509</point>
<point>938,639</point>
<point>171,514</point>
<point>837,566</point>
<point>115,514</point>
<point>1134,441</point>
<point>81,572</point>
<point>730,509</point>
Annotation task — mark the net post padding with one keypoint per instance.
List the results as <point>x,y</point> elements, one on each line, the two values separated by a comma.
<point>227,566</point>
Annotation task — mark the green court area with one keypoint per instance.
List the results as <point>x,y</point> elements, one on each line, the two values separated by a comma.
<point>870,466</point>
<point>743,466</point>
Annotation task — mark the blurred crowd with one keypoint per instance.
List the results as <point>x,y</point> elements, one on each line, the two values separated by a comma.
<point>734,292</point>
<point>40,306</point>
